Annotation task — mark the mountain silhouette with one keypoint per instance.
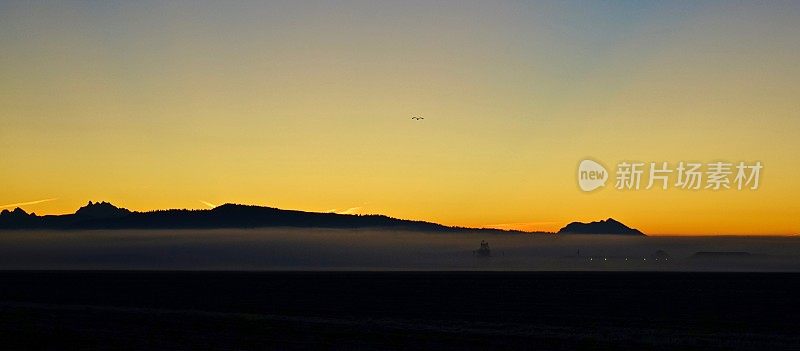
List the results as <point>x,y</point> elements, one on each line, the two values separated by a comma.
<point>17,218</point>
<point>101,210</point>
<point>103,215</point>
<point>608,226</point>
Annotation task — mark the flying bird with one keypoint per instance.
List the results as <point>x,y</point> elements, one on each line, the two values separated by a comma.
<point>414,117</point>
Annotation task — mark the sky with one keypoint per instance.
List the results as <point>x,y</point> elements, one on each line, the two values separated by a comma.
<point>306,105</point>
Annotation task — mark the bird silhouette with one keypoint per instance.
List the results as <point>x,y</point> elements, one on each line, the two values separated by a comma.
<point>417,117</point>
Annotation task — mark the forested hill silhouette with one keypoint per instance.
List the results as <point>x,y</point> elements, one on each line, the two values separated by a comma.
<point>608,226</point>
<point>103,215</point>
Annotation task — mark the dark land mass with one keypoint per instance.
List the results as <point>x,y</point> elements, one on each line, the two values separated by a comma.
<point>103,215</point>
<point>608,226</point>
<point>398,310</point>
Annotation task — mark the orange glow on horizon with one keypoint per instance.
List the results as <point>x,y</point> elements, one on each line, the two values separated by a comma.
<point>302,106</point>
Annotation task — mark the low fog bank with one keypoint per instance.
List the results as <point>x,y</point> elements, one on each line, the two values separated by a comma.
<point>336,249</point>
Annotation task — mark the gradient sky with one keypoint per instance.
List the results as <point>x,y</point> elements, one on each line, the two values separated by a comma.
<point>306,105</point>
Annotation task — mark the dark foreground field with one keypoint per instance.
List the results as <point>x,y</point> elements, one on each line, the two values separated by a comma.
<point>398,310</point>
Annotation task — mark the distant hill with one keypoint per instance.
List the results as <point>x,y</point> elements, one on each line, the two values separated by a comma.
<point>103,215</point>
<point>608,226</point>
<point>101,210</point>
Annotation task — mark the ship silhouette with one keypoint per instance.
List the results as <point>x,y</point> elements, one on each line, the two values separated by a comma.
<point>483,251</point>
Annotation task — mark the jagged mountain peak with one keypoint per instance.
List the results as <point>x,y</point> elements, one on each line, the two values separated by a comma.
<point>607,226</point>
<point>101,210</point>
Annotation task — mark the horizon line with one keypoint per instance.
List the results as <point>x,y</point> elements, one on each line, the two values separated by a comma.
<point>483,227</point>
